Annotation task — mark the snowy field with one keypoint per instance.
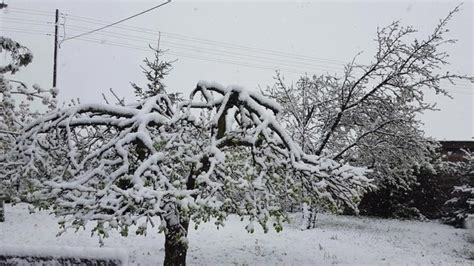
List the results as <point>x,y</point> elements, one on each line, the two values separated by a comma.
<point>340,240</point>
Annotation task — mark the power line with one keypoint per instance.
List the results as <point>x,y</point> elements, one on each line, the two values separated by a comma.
<point>450,87</point>
<point>238,63</point>
<point>246,48</point>
<point>28,23</point>
<point>19,20</point>
<point>117,22</point>
<point>207,41</point>
<point>339,65</point>
<point>216,52</point>
<point>30,13</point>
<point>462,84</point>
<point>253,57</point>
<point>183,46</point>
<point>190,47</point>
<point>32,10</point>
<point>26,31</point>
<point>218,60</point>
<point>182,37</point>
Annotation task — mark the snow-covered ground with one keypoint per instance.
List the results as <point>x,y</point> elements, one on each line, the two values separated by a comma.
<point>337,240</point>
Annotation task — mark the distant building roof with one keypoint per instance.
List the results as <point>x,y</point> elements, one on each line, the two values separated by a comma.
<point>457,144</point>
<point>453,148</point>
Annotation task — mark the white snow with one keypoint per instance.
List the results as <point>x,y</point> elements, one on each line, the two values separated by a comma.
<point>341,240</point>
<point>65,252</point>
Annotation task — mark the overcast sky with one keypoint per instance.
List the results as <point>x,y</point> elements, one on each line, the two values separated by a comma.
<point>232,43</point>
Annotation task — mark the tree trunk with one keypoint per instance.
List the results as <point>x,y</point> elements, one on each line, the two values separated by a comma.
<point>310,214</point>
<point>177,224</point>
<point>2,209</point>
<point>176,243</point>
<point>176,246</point>
<point>314,215</point>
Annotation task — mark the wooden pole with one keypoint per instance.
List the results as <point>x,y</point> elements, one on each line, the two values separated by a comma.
<point>55,65</point>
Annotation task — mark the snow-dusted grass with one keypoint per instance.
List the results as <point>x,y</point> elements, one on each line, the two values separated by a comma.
<point>337,240</point>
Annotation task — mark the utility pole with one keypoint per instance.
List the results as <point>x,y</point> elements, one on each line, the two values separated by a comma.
<point>55,63</point>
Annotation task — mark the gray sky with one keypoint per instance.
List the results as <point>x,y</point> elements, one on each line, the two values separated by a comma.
<point>328,32</point>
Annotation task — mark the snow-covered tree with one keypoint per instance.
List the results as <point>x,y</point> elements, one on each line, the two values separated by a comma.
<point>369,115</point>
<point>462,202</point>
<point>155,71</point>
<point>221,152</point>
<point>15,110</point>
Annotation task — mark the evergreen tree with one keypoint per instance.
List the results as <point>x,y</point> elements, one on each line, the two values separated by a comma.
<point>155,72</point>
<point>462,202</point>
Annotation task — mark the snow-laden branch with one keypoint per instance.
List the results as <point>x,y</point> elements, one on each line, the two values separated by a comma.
<point>16,99</point>
<point>222,151</point>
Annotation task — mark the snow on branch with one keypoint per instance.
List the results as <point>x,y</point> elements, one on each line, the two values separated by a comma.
<point>20,55</point>
<point>222,151</point>
<point>16,99</point>
<point>369,116</point>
